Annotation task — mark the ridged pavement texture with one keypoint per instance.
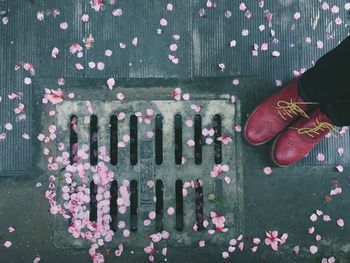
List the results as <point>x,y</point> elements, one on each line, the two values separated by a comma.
<point>203,44</point>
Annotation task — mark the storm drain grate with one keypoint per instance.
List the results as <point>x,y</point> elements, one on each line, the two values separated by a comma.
<point>165,159</point>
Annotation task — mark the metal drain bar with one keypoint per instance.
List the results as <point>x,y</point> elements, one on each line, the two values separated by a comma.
<point>159,159</point>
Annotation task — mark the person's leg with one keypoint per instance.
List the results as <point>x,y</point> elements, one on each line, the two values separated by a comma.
<point>338,111</point>
<point>329,79</point>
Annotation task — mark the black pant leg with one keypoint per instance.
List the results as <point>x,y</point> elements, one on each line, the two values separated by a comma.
<point>328,83</point>
<point>338,111</point>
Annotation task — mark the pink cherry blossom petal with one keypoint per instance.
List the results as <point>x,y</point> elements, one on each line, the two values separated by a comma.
<point>117,12</point>
<point>267,170</point>
<point>163,22</point>
<point>134,41</point>
<point>233,43</point>
<point>147,222</point>
<point>340,222</point>
<point>186,96</point>
<point>313,217</point>
<point>173,47</point>
<point>85,18</point>
<point>78,66</point>
<point>276,53</point>
<point>320,157</point>
<point>297,16</point>
<point>152,215</point>
<point>108,53</point>
<point>319,44</point>
<point>296,250</point>
<point>335,9</point>
<point>55,52</point>
<point>111,83</point>
<point>126,233</point>
<point>170,211</point>
<point>190,143</point>
<point>311,230</point>
<point>100,65</point>
<point>27,81</point>
<point>189,123</point>
<point>339,168</point>
<point>313,249</point>
<point>36,260</point>
<point>256,240</point>
<point>8,126</point>
<point>7,244</point>
<point>326,218</point>
<point>64,25</point>
<point>225,255</point>
<point>169,7</point>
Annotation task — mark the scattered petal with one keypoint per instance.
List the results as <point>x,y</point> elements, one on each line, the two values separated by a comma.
<point>340,222</point>
<point>267,170</point>
<point>313,249</point>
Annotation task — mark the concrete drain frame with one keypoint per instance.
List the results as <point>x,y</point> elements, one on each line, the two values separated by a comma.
<point>167,172</point>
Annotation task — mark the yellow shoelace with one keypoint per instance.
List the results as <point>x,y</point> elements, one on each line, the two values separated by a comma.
<point>319,126</point>
<point>288,109</point>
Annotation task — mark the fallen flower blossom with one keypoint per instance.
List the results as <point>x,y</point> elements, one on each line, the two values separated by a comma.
<point>339,168</point>
<point>336,191</point>
<point>225,139</point>
<point>313,249</point>
<point>296,250</point>
<point>110,83</point>
<point>176,93</point>
<point>326,218</point>
<point>274,241</point>
<point>340,222</point>
<point>7,244</point>
<point>219,169</point>
<point>313,217</point>
<point>225,255</point>
<point>311,230</point>
<point>267,170</point>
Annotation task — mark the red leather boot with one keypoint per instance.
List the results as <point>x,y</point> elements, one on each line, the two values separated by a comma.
<point>275,113</point>
<point>300,138</point>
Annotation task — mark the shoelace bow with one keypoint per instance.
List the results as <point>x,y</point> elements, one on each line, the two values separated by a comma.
<point>288,109</point>
<point>318,127</point>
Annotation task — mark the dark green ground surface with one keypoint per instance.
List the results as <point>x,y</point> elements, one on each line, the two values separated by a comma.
<point>283,200</point>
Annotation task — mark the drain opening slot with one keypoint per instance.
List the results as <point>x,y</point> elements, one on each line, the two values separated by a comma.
<point>73,139</point>
<point>113,205</point>
<point>199,204</point>
<point>198,139</point>
<point>179,205</point>
<point>159,139</point>
<point>133,139</point>
<point>93,139</point>
<point>217,143</point>
<point>113,140</point>
<point>93,201</point>
<point>133,205</point>
<point>178,139</point>
<point>159,205</point>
